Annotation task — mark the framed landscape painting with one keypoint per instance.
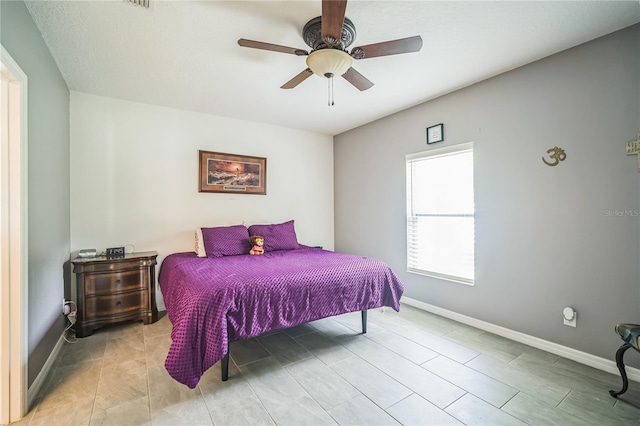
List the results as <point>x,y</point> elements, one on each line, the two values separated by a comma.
<point>232,173</point>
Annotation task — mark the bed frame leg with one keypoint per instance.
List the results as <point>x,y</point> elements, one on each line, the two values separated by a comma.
<point>224,366</point>
<point>364,322</point>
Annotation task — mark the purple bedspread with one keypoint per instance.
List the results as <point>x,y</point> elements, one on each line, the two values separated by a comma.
<point>212,301</point>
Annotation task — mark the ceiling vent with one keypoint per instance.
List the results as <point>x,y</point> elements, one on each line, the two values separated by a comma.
<point>143,3</point>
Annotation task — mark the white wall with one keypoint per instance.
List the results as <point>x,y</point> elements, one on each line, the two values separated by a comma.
<point>546,237</point>
<point>134,176</point>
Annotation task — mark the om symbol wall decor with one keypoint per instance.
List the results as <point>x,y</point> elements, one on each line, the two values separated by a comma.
<point>556,154</point>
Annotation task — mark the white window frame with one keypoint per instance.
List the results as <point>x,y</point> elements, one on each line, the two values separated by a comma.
<point>433,153</point>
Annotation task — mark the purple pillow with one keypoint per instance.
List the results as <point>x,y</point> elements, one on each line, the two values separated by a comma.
<point>226,240</point>
<point>281,236</point>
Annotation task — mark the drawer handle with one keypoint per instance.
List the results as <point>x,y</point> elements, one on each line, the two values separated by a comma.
<point>118,303</point>
<point>118,282</point>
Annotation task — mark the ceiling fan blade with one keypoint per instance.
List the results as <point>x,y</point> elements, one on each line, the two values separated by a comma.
<point>357,79</point>
<point>386,48</point>
<point>332,20</point>
<point>273,47</point>
<point>297,79</point>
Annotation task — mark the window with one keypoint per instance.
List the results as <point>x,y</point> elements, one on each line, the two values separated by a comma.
<point>440,213</point>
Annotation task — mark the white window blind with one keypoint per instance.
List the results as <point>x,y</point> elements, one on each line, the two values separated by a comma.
<point>441,214</point>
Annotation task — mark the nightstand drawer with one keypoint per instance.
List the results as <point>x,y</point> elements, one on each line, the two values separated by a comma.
<point>115,304</point>
<point>108,283</point>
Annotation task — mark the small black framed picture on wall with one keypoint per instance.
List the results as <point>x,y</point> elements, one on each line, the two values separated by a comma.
<point>435,133</point>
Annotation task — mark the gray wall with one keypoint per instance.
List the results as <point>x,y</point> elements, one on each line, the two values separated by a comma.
<point>546,237</point>
<point>48,180</point>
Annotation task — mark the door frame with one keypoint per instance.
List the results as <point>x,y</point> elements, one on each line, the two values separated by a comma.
<point>14,249</point>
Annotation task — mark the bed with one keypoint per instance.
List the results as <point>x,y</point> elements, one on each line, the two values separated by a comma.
<point>219,293</point>
<point>212,301</point>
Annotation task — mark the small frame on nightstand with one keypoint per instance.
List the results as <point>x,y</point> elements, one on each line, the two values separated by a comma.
<point>435,133</point>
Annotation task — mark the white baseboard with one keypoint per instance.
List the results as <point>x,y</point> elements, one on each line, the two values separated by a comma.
<point>573,354</point>
<point>35,387</point>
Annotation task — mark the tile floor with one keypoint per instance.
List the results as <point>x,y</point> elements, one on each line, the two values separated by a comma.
<point>410,368</point>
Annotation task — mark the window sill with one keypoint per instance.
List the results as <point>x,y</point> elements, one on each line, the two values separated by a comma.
<point>457,280</point>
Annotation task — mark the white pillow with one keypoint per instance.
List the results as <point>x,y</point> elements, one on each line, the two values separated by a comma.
<point>200,244</point>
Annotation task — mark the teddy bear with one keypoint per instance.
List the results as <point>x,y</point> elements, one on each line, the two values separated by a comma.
<point>257,244</point>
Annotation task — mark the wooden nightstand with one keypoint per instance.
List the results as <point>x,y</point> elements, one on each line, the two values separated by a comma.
<point>111,290</point>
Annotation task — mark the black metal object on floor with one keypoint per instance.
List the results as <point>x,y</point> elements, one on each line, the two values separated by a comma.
<point>630,333</point>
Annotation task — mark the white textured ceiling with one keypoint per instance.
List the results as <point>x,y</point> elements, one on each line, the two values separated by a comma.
<point>184,54</point>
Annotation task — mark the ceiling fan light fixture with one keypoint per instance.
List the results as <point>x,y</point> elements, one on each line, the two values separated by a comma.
<point>329,61</point>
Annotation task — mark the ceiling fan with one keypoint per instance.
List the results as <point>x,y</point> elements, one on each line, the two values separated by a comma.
<point>328,36</point>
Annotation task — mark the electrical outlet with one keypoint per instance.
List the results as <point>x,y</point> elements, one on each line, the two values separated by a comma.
<point>569,316</point>
<point>65,307</point>
<point>571,323</point>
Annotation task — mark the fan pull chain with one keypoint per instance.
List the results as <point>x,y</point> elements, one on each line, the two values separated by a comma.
<point>330,88</point>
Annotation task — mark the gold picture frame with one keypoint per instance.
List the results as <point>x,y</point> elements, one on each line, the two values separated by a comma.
<point>232,173</point>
